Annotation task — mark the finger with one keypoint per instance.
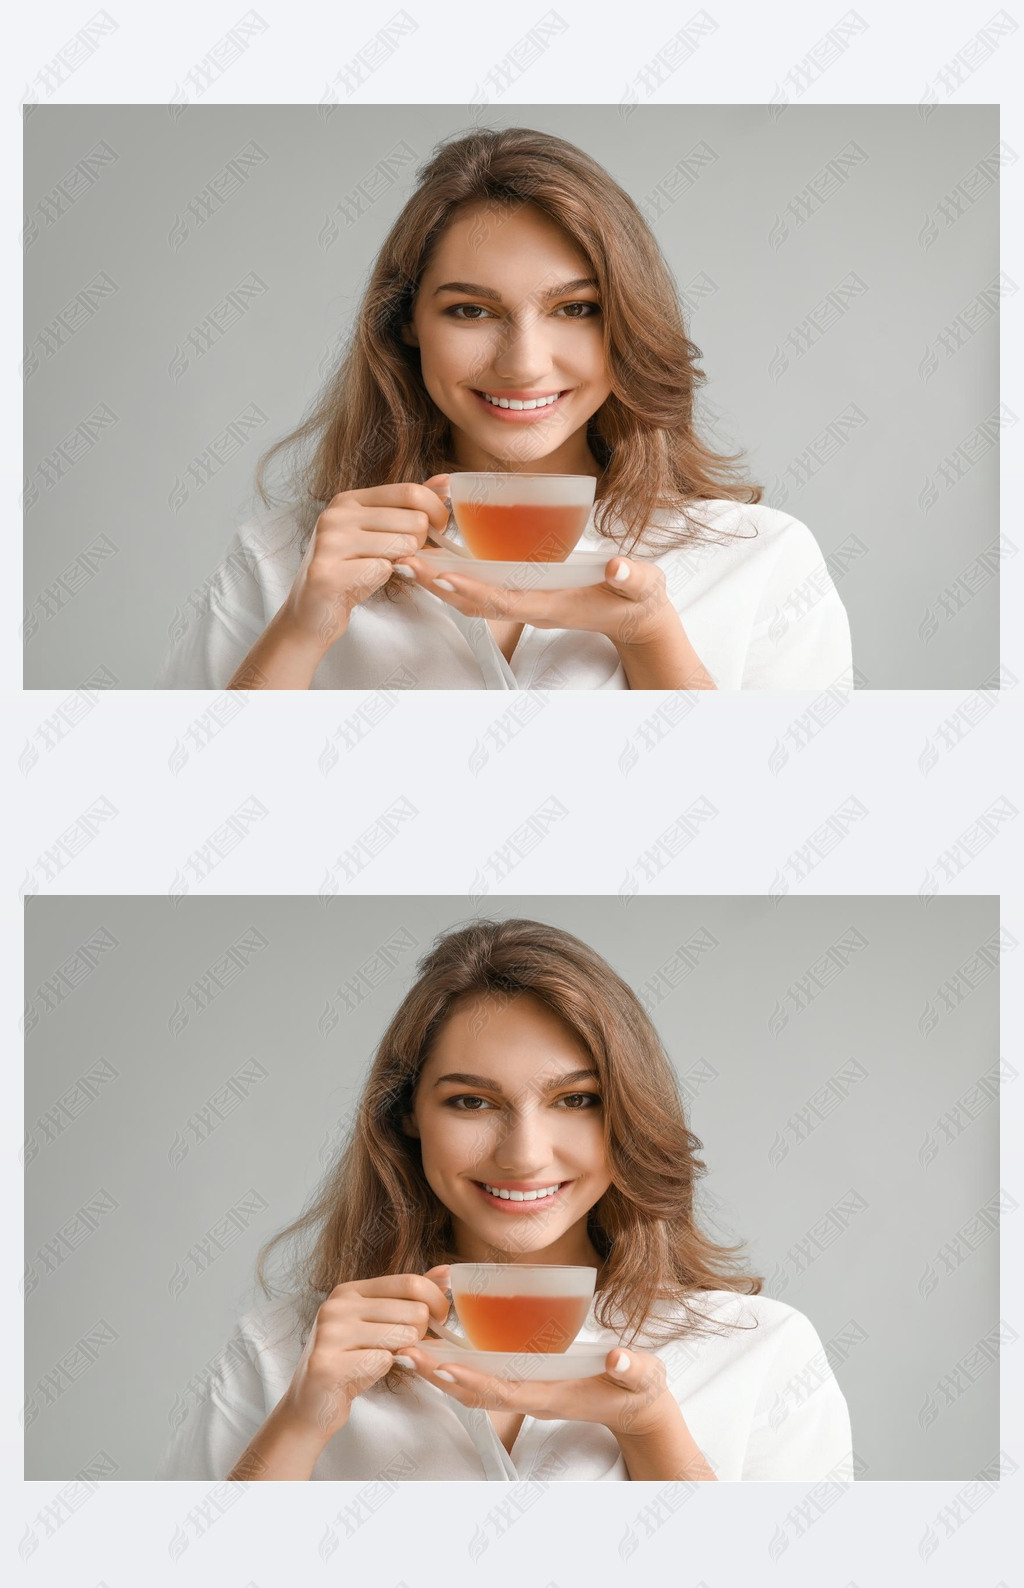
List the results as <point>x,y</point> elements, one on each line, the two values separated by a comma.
<point>403,494</point>
<point>621,577</point>
<point>470,596</point>
<point>466,1385</point>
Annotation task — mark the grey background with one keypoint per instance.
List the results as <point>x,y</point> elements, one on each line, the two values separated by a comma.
<point>165,1011</point>
<point>752,275</point>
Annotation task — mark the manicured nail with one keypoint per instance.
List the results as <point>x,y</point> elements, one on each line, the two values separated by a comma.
<point>623,573</point>
<point>621,1362</point>
<point>442,584</point>
<point>404,572</point>
<point>406,1361</point>
<point>439,1372</point>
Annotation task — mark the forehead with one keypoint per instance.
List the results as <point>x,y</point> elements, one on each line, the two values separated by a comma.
<point>504,1036</point>
<point>504,242</point>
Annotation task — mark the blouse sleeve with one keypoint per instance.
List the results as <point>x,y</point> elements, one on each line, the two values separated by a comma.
<point>801,1425</point>
<point>801,634</point>
<point>218,626</point>
<point>218,1419</point>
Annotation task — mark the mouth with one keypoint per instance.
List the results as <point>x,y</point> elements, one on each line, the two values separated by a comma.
<point>512,1204</point>
<point>514,412</point>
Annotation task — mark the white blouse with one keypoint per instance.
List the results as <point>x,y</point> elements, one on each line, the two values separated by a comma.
<point>760,610</point>
<point>761,1402</point>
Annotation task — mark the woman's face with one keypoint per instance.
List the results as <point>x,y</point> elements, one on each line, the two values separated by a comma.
<point>500,1102</point>
<point>485,324</point>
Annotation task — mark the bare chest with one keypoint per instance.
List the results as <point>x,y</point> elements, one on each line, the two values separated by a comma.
<point>507,1426</point>
<point>506,635</point>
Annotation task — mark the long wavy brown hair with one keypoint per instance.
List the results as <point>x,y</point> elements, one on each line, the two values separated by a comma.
<point>375,1213</point>
<point>374,423</point>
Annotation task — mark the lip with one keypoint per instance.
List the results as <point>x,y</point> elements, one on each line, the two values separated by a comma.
<point>522,1207</point>
<point>520,415</point>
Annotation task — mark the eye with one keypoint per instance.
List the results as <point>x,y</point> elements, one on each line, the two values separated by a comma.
<point>590,1098</point>
<point>582,304</point>
<point>478,308</point>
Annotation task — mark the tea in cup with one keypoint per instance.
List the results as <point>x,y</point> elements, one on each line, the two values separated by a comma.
<point>521,1307</point>
<point>521,517</point>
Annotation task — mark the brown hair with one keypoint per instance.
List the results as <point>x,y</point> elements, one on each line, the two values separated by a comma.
<point>375,1213</point>
<point>374,422</point>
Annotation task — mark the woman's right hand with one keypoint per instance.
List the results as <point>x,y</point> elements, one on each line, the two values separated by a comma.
<point>352,552</point>
<point>352,1343</point>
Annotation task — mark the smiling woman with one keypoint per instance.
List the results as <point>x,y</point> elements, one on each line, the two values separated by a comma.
<point>519,318</point>
<point>520,1109</point>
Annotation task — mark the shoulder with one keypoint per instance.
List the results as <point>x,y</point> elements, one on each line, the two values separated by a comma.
<point>746,529</point>
<point>744,1322</point>
<point>275,534</point>
<point>271,1330</point>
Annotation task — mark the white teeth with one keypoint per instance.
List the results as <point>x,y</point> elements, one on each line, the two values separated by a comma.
<point>512,402</point>
<point>521,1196</point>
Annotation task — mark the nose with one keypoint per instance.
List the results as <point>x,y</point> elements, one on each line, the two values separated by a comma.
<point>522,356</point>
<point>524,1152</point>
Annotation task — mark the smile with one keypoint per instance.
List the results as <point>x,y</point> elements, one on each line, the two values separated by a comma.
<point>521,1201</point>
<point>518,410</point>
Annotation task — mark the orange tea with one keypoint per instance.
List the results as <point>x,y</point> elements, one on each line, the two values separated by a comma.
<point>531,532</point>
<point>521,1323</point>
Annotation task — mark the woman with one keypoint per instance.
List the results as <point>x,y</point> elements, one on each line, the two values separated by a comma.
<point>518,1059</point>
<point>518,272</point>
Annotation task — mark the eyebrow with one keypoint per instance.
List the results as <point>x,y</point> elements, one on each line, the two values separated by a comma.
<point>476,291</point>
<point>492,1086</point>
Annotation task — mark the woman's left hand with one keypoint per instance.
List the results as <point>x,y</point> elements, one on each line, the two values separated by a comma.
<point>633,1400</point>
<point>631,607</point>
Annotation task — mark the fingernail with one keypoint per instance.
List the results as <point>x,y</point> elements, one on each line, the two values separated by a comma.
<point>620,1364</point>
<point>403,572</point>
<point>623,573</point>
<point>442,584</point>
<point>439,1372</point>
<point>405,1361</point>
